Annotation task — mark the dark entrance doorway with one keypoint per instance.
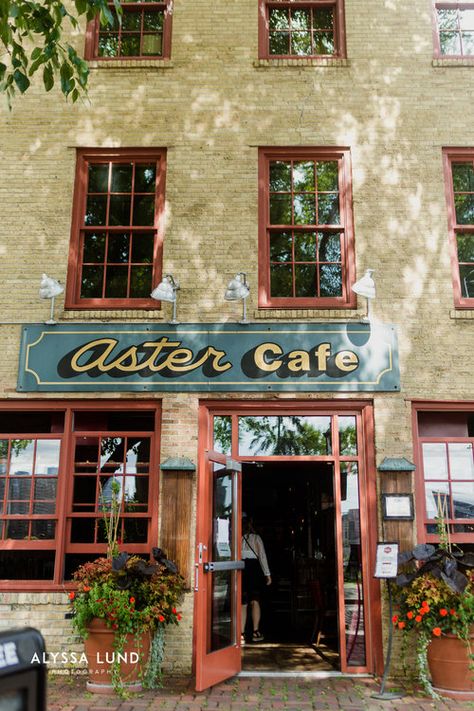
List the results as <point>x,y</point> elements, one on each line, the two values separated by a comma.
<point>292,507</point>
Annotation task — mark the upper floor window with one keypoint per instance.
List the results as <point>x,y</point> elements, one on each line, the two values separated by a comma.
<point>455,29</point>
<point>306,236</point>
<point>301,28</point>
<point>459,175</point>
<point>116,241</point>
<point>144,32</point>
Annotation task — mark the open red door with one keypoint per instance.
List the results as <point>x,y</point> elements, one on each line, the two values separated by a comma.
<point>217,572</point>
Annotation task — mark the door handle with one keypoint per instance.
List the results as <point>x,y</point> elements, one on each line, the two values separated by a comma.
<point>223,565</point>
<point>201,549</point>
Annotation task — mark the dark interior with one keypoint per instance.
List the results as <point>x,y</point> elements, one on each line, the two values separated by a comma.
<point>291,505</point>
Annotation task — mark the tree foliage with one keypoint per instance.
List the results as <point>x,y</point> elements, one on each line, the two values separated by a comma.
<point>31,41</point>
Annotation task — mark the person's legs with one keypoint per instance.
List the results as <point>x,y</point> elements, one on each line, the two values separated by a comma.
<point>256,614</point>
<point>244,618</point>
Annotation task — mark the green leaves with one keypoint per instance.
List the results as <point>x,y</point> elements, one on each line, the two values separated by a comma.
<point>24,22</point>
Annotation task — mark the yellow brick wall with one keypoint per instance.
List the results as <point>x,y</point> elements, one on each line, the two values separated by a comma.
<point>212,106</point>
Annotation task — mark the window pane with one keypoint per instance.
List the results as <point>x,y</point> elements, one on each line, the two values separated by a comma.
<point>27,565</point>
<point>303,176</point>
<point>136,493</point>
<point>467,19</point>
<point>328,209</point>
<point>223,434</point>
<point>463,177</point>
<point>121,174</point>
<point>98,177</point>
<point>140,282</point>
<point>450,43</point>
<point>153,20</point>
<point>466,273</point>
<point>301,43</point>
<point>463,499</point>
<point>21,457</point>
<point>436,491</point>
<point>18,507</point>
<point>45,490</point>
<point>17,530</point>
<point>464,205</point>
<point>281,278</point>
<point>45,530</point>
<point>118,247</point>
<point>300,20</point>
<point>327,175</point>
<point>47,457</point>
<point>3,455</point>
<point>96,210</point>
<point>135,530</point>
<point>142,247</point>
<point>152,45</point>
<point>278,19</point>
<point>305,280</point>
<point>323,43</point>
<point>323,19</point>
<point>83,530</point>
<point>119,212</point>
<point>465,247</point>
<point>280,246</point>
<point>330,280</point>
<point>131,20</point>
<point>94,247</point>
<point>305,246</point>
<point>91,283</point>
<point>285,435</point>
<point>19,489</point>
<point>329,247</point>
<point>461,463</point>
<point>435,465</point>
<point>145,178</point>
<point>280,176</point>
<point>279,43</point>
<point>108,45</point>
<point>447,19</point>
<point>468,43</point>
<point>130,46</point>
<point>144,210</point>
<point>305,209</point>
<point>280,209</point>
<point>116,282</point>
<point>347,436</point>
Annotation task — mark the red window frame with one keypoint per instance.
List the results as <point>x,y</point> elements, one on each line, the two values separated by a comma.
<point>342,155</point>
<point>425,536</point>
<point>436,30</point>
<point>452,156</point>
<point>85,157</point>
<point>64,514</point>
<point>94,29</point>
<point>264,7</point>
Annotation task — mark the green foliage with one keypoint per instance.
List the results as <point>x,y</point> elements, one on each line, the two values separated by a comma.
<point>31,39</point>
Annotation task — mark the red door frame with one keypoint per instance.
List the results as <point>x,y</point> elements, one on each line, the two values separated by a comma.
<point>368,502</point>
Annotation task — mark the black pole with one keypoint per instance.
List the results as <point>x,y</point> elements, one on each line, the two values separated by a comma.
<point>382,694</point>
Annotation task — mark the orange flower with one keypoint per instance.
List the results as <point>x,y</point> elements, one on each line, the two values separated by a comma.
<point>395,619</point>
<point>452,612</point>
<point>179,617</point>
<point>437,631</point>
<point>401,625</point>
<point>132,600</point>
<point>410,615</point>
<point>86,588</point>
<point>173,610</point>
<point>72,595</point>
<point>443,612</point>
<point>425,604</point>
<point>426,608</point>
<point>161,618</point>
<point>418,618</point>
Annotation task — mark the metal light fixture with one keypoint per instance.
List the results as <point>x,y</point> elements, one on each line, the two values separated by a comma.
<point>238,290</point>
<point>49,289</point>
<point>167,291</point>
<point>366,287</point>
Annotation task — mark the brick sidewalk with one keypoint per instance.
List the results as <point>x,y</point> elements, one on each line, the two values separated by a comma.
<point>243,694</point>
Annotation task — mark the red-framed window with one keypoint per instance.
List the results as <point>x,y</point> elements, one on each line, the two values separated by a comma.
<point>117,229</point>
<point>143,33</point>
<point>454,29</point>
<point>301,28</point>
<point>459,179</point>
<point>306,245</point>
<point>57,467</point>
<point>444,437</point>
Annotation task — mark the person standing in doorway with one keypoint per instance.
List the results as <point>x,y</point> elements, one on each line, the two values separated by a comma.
<point>255,576</point>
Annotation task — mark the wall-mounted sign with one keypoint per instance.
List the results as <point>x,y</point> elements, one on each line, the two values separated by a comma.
<point>397,507</point>
<point>386,562</point>
<point>208,357</point>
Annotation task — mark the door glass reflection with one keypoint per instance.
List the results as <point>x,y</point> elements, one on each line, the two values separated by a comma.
<point>222,609</point>
<point>285,435</point>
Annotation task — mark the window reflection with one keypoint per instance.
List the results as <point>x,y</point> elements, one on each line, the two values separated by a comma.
<point>285,435</point>
<point>223,434</point>
<point>435,464</point>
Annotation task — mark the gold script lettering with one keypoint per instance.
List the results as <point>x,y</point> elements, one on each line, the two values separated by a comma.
<point>260,353</point>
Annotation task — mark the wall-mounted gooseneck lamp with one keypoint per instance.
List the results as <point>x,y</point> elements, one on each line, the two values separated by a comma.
<point>167,291</point>
<point>238,290</point>
<point>366,287</point>
<point>49,289</point>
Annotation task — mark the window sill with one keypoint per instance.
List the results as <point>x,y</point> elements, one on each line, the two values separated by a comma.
<point>453,62</point>
<point>462,314</point>
<point>303,62</point>
<point>130,64</point>
<point>123,315</point>
<point>320,314</point>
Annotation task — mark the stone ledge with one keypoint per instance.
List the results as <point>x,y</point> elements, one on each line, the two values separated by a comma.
<point>462,314</point>
<point>319,314</point>
<point>303,62</point>
<point>130,64</point>
<point>453,62</point>
<point>104,316</point>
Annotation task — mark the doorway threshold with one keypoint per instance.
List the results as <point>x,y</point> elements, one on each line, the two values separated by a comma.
<point>303,674</point>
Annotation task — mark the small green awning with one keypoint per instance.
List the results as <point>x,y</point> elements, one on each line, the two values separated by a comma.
<point>178,464</point>
<point>396,464</point>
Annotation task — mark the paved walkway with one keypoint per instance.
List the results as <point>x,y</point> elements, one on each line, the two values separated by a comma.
<point>242,694</point>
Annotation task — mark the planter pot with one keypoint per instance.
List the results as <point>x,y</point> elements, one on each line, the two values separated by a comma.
<point>100,652</point>
<point>448,661</point>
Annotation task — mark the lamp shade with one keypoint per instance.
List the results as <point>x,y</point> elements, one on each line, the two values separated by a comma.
<point>49,288</point>
<point>166,290</point>
<point>365,286</point>
<point>237,288</point>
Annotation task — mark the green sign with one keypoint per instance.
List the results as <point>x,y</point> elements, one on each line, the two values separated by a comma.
<point>208,357</point>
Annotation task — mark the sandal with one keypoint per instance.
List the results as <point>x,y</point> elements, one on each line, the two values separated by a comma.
<point>257,636</point>
<point>242,640</point>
